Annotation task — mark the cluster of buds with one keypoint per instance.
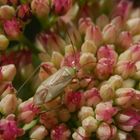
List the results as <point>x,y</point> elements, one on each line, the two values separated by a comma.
<point>102,98</point>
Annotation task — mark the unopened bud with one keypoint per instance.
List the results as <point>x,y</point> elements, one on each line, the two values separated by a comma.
<point>88,46</point>
<point>4,42</point>
<point>85,112</point>
<point>133,25</point>
<point>56,59</point>
<point>129,83</point>
<point>109,33</point>
<point>94,34</point>
<point>6,12</point>
<point>38,132</point>
<point>8,104</point>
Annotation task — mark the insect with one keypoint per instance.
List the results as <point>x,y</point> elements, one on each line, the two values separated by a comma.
<point>54,85</point>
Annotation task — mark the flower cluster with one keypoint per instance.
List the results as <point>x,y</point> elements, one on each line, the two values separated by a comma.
<point>101,96</point>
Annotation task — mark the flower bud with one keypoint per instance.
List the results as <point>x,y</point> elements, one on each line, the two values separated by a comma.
<point>90,124</point>
<point>61,7</point>
<point>74,100</point>
<point>56,59</point>
<point>135,13</point>
<point>125,40</point>
<point>49,119</point>
<point>136,38</point>
<point>106,132</point>
<point>88,61</point>
<point>6,12</point>
<point>88,47</point>
<point>115,81</point>
<point>8,104</point>
<point>27,111</point>
<point>135,52</point>
<point>107,92</point>
<point>24,12</point>
<point>13,28</point>
<point>124,96</point>
<point>129,83</point>
<point>60,132</point>
<point>47,68</point>
<point>94,34</point>
<point>109,34</point>
<point>9,128</point>
<point>40,7</point>
<point>38,132</point>
<point>4,42</point>
<point>104,68</point>
<point>125,69</point>
<point>118,22</point>
<point>92,97</point>
<point>121,135</point>
<point>133,25</point>
<point>64,115</point>
<point>108,52</point>
<point>70,49</point>
<point>105,111</point>
<point>126,55</point>
<point>102,21</point>
<point>84,23</point>
<point>85,112</point>
<point>80,134</point>
<point>8,72</point>
<point>128,119</point>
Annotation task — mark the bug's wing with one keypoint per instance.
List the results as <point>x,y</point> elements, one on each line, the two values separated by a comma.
<point>53,86</point>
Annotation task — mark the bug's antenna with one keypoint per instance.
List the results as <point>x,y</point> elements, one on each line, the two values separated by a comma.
<point>26,81</point>
<point>71,44</point>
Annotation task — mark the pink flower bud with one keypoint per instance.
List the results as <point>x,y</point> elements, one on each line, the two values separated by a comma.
<point>6,12</point>
<point>125,69</point>
<point>109,33</point>
<point>118,22</point>
<point>123,9</point>
<point>7,72</point>
<point>61,7</point>
<point>106,132</point>
<point>128,119</point>
<point>135,52</point>
<point>4,42</point>
<point>125,96</point>
<point>92,97</point>
<point>40,7</point>
<point>8,104</point>
<point>47,69</point>
<point>125,40</point>
<point>23,12</point>
<point>74,100</point>
<point>60,132</point>
<point>9,128</point>
<point>104,68</point>
<point>13,28</point>
<point>27,111</point>
<point>105,111</point>
<point>49,119</point>
<point>133,25</point>
<point>102,21</point>
<point>84,23</point>
<point>94,34</point>
<point>107,52</point>
<point>38,132</point>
